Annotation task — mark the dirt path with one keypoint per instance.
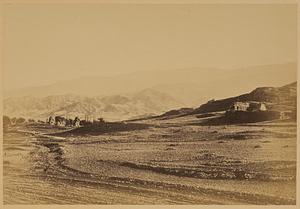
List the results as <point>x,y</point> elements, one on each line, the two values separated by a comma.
<point>41,170</point>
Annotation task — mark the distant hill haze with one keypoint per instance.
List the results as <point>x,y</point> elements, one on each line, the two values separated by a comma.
<point>152,93</point>
<point>113,108</point>
<point>191,86</point>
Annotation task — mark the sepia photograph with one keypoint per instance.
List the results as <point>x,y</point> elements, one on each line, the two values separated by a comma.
<point>149,103</point>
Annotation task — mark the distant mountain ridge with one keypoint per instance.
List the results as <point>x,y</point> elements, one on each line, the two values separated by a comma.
<point>150,93</point>
<point>191,86</point>
<point>113,108</point>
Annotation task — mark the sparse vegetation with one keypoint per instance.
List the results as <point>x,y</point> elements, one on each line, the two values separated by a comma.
<point>174,154</point>
<point>20,120</point>
<point>31,120</point>
<point>6,122</point>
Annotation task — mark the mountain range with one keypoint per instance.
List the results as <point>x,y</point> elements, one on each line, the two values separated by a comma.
<point>112,108</point>
<point>143,93</point>
<point>191,86</point>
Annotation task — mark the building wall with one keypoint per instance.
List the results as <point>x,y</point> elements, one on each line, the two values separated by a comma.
<point>240,106</point>
<point>248,106</point>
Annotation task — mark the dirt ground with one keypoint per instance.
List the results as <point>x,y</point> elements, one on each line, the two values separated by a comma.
<point>174,161</point>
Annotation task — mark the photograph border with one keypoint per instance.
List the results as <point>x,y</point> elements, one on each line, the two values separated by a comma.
<point>3,2</point>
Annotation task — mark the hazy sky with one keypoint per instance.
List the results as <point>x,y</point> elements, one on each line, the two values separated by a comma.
<point>50,42</point>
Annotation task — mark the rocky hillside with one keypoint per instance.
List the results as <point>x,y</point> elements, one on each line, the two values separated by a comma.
<point>116,107</point>
<point>281,98</point>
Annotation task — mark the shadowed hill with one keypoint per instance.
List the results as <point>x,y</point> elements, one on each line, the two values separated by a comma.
<point>102,128</point>
<point>277,99</point>
<point>284,97</point>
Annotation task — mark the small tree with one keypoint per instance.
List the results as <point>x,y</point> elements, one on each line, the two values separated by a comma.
<point>6,122</point>
<point>69,122</point>
<point>20,120</point>
<point>76,122</point>
<point>85,123</point>
<point>101,120</point>
<point>31,120</point>
<point>13,120</point>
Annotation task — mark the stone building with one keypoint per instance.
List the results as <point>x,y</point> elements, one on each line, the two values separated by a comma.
<point>51,120</point>
<point>60,121</point>
<point>248,106</point>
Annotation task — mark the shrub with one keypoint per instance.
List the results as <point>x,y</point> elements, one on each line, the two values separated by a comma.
<point>20,120</point>
<point>6,121</point>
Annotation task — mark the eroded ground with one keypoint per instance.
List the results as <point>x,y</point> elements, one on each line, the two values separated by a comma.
<point>172,162</point>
